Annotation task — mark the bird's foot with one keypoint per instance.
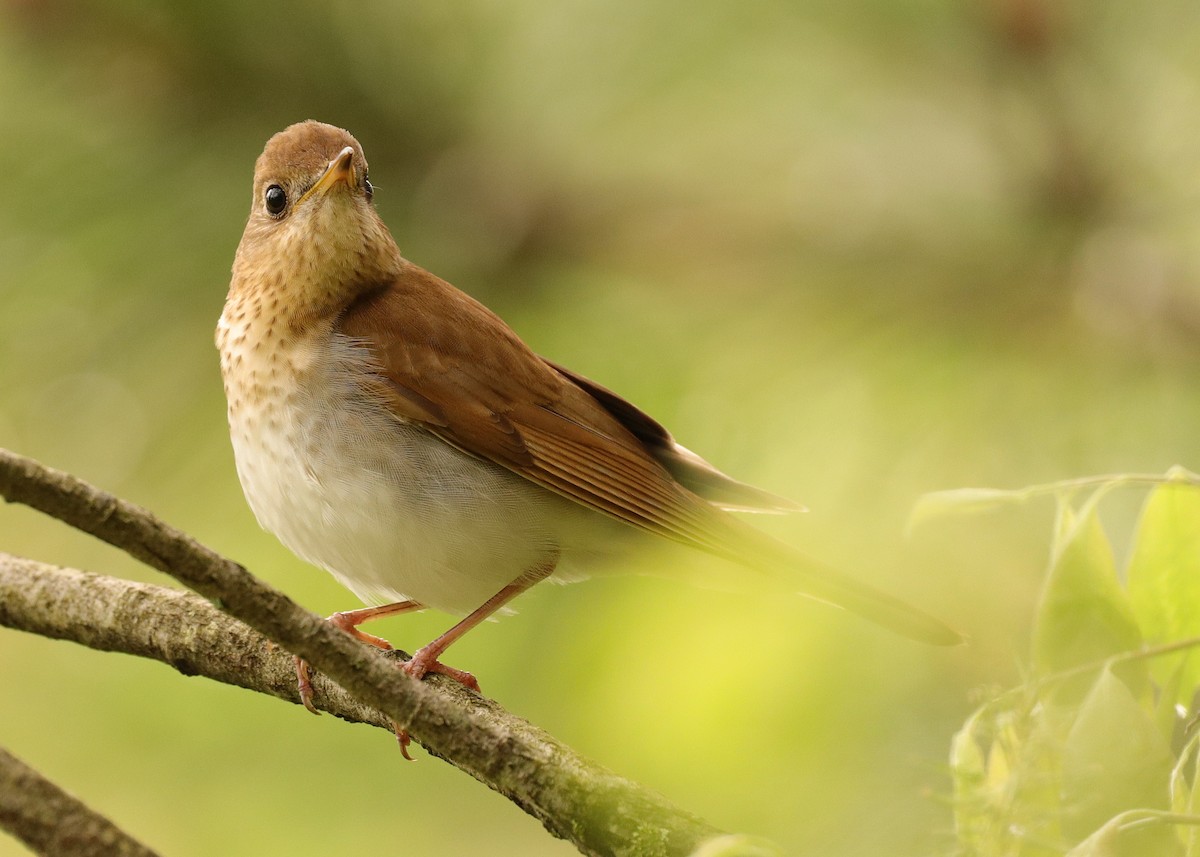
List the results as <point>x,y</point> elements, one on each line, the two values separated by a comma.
<point>347,622</point>
<point>425,662</point>
<point>420,665</point>
<point>304,683</point>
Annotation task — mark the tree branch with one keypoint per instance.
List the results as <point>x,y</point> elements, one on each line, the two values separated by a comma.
<point>178,628</point>
<point>598,811</point>
<point>53,823</point>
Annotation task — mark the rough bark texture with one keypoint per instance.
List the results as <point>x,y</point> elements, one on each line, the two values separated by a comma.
<point>51,822</point>
<point>179,628</point>
<point>598,811</point>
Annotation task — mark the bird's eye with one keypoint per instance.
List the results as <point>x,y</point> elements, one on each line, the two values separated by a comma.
<point>368,188</point>
<point>276,200</point>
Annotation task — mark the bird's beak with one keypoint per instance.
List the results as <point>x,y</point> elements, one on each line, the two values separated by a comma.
<point>340,169</point>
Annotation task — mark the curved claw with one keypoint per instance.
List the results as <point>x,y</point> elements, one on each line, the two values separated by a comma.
<point>349,621</point>
<point>403,739</point>
<point>304,683</point>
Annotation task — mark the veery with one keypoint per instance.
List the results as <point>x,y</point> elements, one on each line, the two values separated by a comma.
<point>395,432</point>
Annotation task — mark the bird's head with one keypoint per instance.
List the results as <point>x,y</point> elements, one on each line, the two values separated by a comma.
<point>313,234</point>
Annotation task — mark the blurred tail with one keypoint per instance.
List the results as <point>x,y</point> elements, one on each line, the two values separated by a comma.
<point>833,587</point>
<point>823,583</point>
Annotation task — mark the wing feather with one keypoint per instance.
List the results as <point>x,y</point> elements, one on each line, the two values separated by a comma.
<point>468,379</point>
<point>448,364</point>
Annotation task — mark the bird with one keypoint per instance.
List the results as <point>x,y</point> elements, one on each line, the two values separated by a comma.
<point>392,430</point>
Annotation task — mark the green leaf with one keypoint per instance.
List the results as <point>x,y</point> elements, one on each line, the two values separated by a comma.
<point>1102,843</point>
<point>1183,778</point>
<point>968,771</point>
<point>1185,799</point>
<point>1166,711</point>
<point>966,756</point>
<point>1164,577</point>
<point>1136,833</point>
<point>1114,759</point>
<point>968,500</point>
<point>960,501</point>
<point>1084,615</point>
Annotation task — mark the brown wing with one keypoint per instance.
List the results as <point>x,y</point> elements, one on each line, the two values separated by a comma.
<point>451,365</point>
<point>692,471</point>
<point>464,375</point>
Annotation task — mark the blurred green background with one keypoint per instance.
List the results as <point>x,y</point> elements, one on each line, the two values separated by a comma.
<point>850,251</point>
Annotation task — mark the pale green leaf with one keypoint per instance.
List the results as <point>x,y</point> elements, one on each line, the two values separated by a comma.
<point>1084,615</point>
<point>966,755</point>
<point>1166,711</point>
<point>1164,576</point>
<point>1102,843</point>
<point>969,500</point>
<point>968,771</point>
<point>962,501</point>
<point>1183,777</point>
<point>1136,833</point>
<point>1183,788</point>
<point>1114,759</point>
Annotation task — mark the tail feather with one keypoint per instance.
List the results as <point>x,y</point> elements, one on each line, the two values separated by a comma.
<point>824,583</point>
<point>833,587</point>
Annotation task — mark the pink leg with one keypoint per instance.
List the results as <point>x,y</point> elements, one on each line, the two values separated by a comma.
<point>426,658</point>
<point>349,621</point>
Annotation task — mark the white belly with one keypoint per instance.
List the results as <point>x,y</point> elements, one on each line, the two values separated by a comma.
<point>391,511</point>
